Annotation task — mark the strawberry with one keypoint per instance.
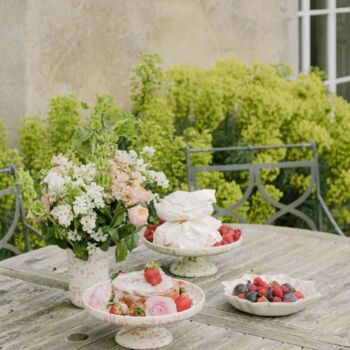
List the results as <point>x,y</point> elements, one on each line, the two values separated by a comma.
<point>264,285</point>
<point>152,273</point>
<point>274,284</point>
<point>183,302</point>
<point>137,308</point>
<point>241,296</point>
<point>261,300</point>
<point>161,222</point>
<point>285,290</point>
<point>236,234</point>
<point>277,292</point>
<point>258,281</point>
<point>116,310</point>
<point>252,288</point>
<point>224,229</point>
<point>227,238</point>
<point>263,292</point>
<point>217,244</point>
<point>299,295</point>
<point>276,300</point>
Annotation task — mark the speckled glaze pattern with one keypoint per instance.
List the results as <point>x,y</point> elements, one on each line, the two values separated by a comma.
<point>273,309</point>
<point>141,332</point>
<point>193,267</point>
<point>83,274</point>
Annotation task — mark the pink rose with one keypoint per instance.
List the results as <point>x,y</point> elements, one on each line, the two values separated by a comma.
<point>158,306</point>
<point>143,195</point>
<point>138,215</point>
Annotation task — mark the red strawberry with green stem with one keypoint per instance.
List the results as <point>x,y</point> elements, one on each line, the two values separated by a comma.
<point>152,273</point>
<point>137,308</point>
<point>183,302</point>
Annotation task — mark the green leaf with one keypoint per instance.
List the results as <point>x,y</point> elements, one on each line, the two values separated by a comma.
<point>121,251</point>
<point>105,245</point>
<point>84,105</point>
<point>114,235</point>
<point>132,241</point>
<point>81,251</point>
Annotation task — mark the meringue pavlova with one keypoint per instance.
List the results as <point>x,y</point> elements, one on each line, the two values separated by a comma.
<point>147,293</point>
<point>188,221</point>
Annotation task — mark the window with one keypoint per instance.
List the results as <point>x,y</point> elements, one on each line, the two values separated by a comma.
<point>324,34</point>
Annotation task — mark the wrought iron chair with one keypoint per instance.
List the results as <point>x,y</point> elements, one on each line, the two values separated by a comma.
<point>256,182</point>
<point>18,216</point>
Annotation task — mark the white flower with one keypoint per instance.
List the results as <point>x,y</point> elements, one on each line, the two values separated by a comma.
<point>89,222</point>
<point>82,204</point>
<point>63,214</point>
<point>91,247</point>
<point>158,177</point>
<point>99,236</point>
<point>86,172</point>
<point>148,150</point>
<point>55,185</point>
<point>95,193</point>
<point>74,236</point>
<point>61,160</point>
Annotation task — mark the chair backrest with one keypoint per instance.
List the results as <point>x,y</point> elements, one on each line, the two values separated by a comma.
<point>17,216</point>
<point>255,182</point>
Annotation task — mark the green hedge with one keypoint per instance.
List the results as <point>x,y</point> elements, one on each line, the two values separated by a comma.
<point>227,104</point>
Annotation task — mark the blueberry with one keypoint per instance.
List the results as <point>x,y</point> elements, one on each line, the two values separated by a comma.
<point>290,296</point>
<point>269,294</point>
<point>289,286</point>
<point>240,288</point>
<point>252,296</point>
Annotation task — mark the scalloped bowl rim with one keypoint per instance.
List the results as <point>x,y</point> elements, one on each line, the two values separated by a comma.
<point>132,321</point>
<point>193,252</point>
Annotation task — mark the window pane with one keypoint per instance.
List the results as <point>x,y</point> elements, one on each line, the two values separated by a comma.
<point>343,44</point>
<point>318,28</point>
<point>343,3</point>
<point>344,90</point>
<point>318,4</point>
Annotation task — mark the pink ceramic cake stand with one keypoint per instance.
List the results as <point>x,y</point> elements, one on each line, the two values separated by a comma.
<point>194,262</point>
<point>141,332</point>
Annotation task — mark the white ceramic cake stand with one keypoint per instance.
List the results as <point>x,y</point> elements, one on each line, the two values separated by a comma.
<point>141,332</point>
<point>194,262</point>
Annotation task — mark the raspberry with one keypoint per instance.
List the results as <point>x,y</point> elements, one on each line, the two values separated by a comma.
<point>257,281</point>
<point>217,244</point>
<point>263,292</point>
<point>252,288</point>
<point>276,300</point>
<point>277,292</point>
<point>285,290</point>
<point>224,229</point>
<point>261,300</point>
<point>241,296</point>
<point>299,295</point>
<point>227,238</point>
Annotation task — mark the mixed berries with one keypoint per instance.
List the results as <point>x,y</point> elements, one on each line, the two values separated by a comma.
<point>229,235</point>
<point>260,291</point>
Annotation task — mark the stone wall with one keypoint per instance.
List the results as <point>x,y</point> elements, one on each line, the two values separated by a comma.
<point>90,46</point>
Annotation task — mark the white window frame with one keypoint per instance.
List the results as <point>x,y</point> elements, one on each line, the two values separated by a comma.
<point>331,12</point>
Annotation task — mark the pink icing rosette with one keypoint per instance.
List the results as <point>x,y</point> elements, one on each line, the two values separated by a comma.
<point>159,306</point>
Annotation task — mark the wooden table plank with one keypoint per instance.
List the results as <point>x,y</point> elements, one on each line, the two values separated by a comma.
<point>41,278</point>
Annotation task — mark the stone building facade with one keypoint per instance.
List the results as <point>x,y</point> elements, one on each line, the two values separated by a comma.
<point>90,46</point>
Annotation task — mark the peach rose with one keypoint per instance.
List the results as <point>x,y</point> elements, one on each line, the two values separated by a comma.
<point>158,306</point>
<point>138,215</point>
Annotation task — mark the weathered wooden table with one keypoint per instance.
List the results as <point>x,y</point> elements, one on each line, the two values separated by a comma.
<point>35,312</point>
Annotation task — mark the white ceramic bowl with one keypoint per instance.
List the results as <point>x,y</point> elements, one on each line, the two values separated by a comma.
<point>195,262</point>
<point>142,332</point>
<point>268,308</point>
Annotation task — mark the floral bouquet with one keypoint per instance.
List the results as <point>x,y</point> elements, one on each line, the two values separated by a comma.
<point>98,204</point>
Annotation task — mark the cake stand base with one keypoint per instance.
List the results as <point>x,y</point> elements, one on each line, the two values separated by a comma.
<point>193,267</point>
<point>143,337</point>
